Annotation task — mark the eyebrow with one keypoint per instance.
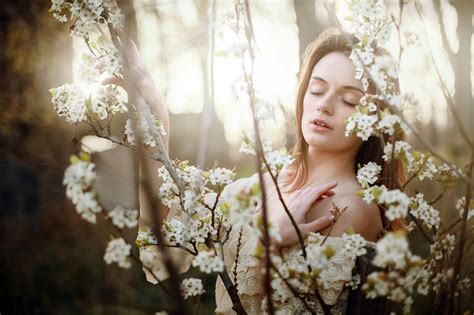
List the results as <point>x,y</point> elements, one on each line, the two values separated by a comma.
<point>344,87</point>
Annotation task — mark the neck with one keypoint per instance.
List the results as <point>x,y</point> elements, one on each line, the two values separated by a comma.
<point>327,166</point>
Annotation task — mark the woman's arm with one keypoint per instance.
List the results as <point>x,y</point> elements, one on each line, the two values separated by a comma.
<point>139,80</point>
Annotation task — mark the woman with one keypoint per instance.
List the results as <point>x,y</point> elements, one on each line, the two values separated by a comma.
<point>322,176</point>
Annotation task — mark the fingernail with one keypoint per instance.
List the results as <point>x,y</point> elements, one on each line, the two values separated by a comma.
<point>331,217</point>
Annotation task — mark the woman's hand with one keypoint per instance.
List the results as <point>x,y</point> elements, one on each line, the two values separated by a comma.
<point>299,203</point>
<point>138,77</point>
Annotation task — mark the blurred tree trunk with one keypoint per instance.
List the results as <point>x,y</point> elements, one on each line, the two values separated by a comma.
<point>461,60</point>
<point>208,113</point>
<point>462,64</point>
<point>309,27</point>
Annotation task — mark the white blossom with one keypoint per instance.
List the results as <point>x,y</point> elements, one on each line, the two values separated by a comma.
<point>460,207</point>
<point>144,130</point>
<point>174,232</point>
<point>191,287</point>
<point>402,151</point>
<point>87,206</point>
<point>122,217</point>
<point>107,98</point>
<point>221,176</point>
<point>361,124</point>
<point>117,252</point>
<point>249,144</point>
<point>368,174</point>
<point>208,262</point>
<point>278,159</point>
<point>146,237</point>
<point>397,203</point>
<point>354,245</point>
<point>443,247</point>
<point>393,250</point>
<point>69,102</point>
<point>79,178</point>
<point>423,211</point>
<point>387,123</point>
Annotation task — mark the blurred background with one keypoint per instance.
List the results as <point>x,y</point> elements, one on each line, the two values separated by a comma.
<point>51,260</point>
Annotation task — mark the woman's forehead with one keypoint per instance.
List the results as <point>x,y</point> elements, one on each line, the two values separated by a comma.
<point>336,68</point>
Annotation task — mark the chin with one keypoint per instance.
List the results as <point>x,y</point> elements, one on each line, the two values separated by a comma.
<point>325,143</point>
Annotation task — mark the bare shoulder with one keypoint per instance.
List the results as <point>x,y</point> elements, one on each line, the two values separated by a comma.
<point>362,217</point>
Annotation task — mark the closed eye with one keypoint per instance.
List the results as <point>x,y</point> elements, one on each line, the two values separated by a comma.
<point>350,104</point>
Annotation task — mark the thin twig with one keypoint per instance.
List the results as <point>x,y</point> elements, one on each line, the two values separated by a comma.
<point>260,152</point>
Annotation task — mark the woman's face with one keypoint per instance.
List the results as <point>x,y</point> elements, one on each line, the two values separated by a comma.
<point>330,98</point>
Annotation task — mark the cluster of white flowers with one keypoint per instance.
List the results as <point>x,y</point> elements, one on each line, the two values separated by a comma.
<point>460,207</point>
<point>441,279</point>
<point>402,152</point>
<point>146,237</point>
<point>423,211</point>
<point>208,262</point>
<point>122,217</point>
<point>402,271</point>
<point>117,252</point>
<point>194,180</point>
<point>241,206</point>
<point>395,201</point>
<point>393,251</point>
<point>106,61</point>
<point>89,69</point>
<point>107,101</point>
<point>192,287</point>
<point>221,176</point>
<point>368,174</point>
<point>79,179</point>
<point>249,143</point>
<point>370,25</point>
<point>86,14</point>
<point>174,232</point>
<point>360,124</point>
<point>320,267</point>
<point>278,159</point>
<point>71,102</point>
<point>387,123</point>
<point>443,247</point>
<point>354,245</point>
<point>144,130</point>
<point>420,164</point>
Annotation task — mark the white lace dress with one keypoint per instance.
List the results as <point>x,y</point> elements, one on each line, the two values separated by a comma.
<point>247,270</point>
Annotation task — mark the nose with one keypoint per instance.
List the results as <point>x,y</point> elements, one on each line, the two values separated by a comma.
<point>325,105</point>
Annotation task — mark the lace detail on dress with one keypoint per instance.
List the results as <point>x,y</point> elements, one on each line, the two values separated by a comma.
<point>335,275</point>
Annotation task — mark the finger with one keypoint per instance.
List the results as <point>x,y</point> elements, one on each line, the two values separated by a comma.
<point>326,194</point>
<point>114,80</point>
<point>317,225</point>
<point>312,194</point>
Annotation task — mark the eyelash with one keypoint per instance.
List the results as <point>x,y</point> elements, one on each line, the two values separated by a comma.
<point>347,103</point>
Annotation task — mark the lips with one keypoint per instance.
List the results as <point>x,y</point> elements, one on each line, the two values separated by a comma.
<point>321,123</point>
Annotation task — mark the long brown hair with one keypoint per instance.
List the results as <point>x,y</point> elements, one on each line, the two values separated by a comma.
<point>392,175</point>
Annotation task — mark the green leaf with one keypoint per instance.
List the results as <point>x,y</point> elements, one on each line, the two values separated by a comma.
<point>73,159</point>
